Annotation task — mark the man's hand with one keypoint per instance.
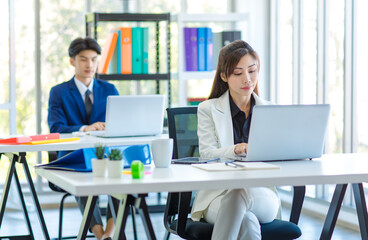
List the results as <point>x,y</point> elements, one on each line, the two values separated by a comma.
<point>241,148</point>
<point>97,126</point>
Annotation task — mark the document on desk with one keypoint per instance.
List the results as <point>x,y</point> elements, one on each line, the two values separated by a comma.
<point>238,166</point>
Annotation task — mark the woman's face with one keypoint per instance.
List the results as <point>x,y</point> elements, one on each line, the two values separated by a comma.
<point>244,78</point>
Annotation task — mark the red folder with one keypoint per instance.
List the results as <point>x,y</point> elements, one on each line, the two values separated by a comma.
<point>42,137</point>
<point>15,140</point>
<point>27,139</point>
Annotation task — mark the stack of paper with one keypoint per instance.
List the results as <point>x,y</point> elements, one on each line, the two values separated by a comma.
<point>213,167</point>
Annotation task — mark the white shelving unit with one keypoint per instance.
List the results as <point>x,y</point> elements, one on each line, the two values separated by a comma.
<point>182,19</point>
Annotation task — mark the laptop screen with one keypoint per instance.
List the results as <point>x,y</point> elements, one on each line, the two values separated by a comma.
<point>282,132</point>
<point>134,115</point>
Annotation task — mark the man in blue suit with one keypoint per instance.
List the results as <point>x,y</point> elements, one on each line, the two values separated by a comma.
<point>80,105</point>
<point>67,105</point>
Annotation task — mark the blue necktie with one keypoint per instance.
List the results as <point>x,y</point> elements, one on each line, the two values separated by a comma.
<point>88,104</point>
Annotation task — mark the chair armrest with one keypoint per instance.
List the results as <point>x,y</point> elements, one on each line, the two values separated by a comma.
<point>298,199</point>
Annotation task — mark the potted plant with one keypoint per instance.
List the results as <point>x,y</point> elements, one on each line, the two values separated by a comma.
<point>99,163</point>
<point>115,163</point>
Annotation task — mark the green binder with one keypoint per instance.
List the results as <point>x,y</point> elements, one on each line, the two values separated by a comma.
<point>137,50</point>
<point>145,50</point>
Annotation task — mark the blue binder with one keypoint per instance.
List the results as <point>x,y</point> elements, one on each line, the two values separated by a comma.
<point>118,51</point>
<point>209,49</point>
<point>201,36</point>
<point>137,50</point>
<point>145,50</point>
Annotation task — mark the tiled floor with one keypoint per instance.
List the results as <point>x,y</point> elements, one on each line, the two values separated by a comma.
<point>13,223</point>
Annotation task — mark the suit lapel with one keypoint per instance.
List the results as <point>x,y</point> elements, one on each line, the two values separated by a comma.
<point>78,99</point>
<point>223,121</point>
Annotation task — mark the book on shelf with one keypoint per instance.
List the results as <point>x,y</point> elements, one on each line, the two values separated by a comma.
<point>230,36</point>
<point>145,50</point>
<point>126,50</point>
<point>202,47</point>
<point>118,52</point>
<point>191,49</point>
<point>113,65</point>
<point>208,49</point>
<point>217,45</point>
<point>201,36</point>
<point>107,52</point>
<point>137,50</point>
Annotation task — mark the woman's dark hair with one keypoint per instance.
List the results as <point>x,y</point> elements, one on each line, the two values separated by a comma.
<point>229,57</point>
<point>80,44</point>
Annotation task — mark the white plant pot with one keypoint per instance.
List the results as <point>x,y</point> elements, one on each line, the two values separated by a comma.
<point>114,168</point>
<point>99,167</point>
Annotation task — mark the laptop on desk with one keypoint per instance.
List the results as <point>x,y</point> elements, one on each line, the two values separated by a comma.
<point>133,115</point>
<point>287,132</point>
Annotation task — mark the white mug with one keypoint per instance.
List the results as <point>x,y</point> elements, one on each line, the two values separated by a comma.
<point>162,150</point>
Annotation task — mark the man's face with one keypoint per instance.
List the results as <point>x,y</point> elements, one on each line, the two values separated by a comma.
<point>85,64</point>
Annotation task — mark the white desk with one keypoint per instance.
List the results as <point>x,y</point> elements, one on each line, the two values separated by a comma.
<point>17,153</point>
<point>330,169</point>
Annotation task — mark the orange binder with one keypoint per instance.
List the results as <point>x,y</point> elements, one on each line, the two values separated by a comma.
<point>107,52</point>
<point>126,50</point>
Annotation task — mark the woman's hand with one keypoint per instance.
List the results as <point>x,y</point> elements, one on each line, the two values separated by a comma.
<point>241,148</point>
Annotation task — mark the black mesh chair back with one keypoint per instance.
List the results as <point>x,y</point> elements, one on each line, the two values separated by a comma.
<point>182,125</point>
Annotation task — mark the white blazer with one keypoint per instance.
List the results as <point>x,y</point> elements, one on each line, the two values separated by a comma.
<point>216,139</point>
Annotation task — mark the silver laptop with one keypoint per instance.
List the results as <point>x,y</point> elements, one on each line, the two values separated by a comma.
<point>133,115</point>
<point>283,132</point>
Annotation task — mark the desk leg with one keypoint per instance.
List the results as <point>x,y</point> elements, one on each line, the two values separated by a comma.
<point>333,211</point>
<point>361,209</point>
<point>143,211</point>
<point>4,197</point>
<point>24,207</point>
<point>125,203</point>
<point>87,216</point>
<point>34,194</point>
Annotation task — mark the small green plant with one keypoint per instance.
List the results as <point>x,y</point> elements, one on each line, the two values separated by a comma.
<point>100,151</point>
<point>115,154</point>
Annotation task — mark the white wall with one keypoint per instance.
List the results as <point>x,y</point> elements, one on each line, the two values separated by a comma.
<point>259,36</point>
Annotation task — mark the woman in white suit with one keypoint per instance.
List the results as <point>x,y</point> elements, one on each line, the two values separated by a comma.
<point>223,128</point>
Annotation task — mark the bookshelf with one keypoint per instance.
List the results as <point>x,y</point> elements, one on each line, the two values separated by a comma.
<point>183,19</point>
<point>93,19</point>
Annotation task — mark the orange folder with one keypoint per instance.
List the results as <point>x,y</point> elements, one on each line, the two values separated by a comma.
<point>107,52</point>
<point>126,50</point>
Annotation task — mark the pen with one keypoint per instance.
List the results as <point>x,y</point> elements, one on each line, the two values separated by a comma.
<point>232,164</point>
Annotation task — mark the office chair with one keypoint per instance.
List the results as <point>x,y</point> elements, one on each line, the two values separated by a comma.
<point>53,157</point>
<point>182,124</point>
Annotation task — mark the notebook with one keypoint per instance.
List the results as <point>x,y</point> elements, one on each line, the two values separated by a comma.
<point>133,115</point>
<point>284,132</point>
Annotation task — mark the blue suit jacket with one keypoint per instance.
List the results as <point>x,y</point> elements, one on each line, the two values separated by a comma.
<point>67,112</point>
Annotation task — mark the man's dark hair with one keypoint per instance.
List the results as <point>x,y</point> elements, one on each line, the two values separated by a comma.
<point>80,44</point>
